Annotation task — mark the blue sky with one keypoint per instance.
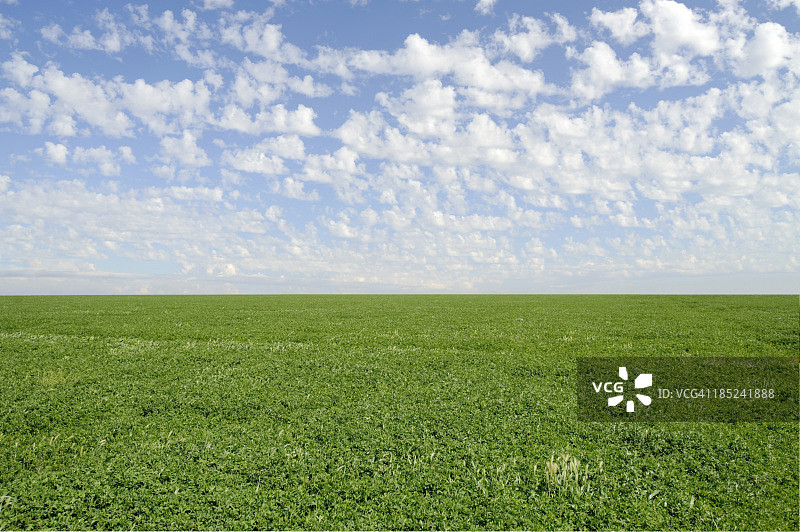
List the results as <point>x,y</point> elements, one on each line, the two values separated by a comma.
<point>216,146</point>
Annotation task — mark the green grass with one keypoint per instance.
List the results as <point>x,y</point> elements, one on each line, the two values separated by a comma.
<point>374,412</point>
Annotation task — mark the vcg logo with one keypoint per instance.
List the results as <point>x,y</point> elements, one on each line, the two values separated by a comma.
<point>645,380</point>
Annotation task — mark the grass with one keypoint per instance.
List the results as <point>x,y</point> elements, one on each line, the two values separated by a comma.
<point>374,412</point>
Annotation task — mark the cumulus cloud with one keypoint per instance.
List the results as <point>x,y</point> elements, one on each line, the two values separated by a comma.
<point>6,27</point>
<point>769,49</point>
<point>18,70</point>
<point>676,27</point>
<point>75,95</point>
<point>463,59</point>
<point>255,34</point>
<point>782,4</point>
<point>623,24</point>
<point>484,7</point>
<point>604,72</point>
<point>184,150</point>
<point>165,107</point>
<point>106,161</point>
<point>217,4</point>
<point>426,109</point>
<point>112,38</point>
<point>274,119</point>
<point>257,159</point>
<point>55,153</point>
<point>527,36</point>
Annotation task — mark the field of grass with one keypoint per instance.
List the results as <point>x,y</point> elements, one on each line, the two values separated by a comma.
<point>374,412</point>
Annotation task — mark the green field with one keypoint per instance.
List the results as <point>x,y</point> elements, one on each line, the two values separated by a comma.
<point>374,412</point>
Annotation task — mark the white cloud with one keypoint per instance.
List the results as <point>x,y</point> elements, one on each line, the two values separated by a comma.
<point>769,49</point>
<point>7,27</point>
<point>463,58</point>
<point>55,153</point>
<point>308,87</point>
<point>528,36</point>
<point>781,4</point>
<point>426,109</point>
<point>484,7</point>
<point>622,24</point>
<point>32,110</point>
<point>107,161</point>
<point>254,160</point>
<point>92,102</point>
<point>113,38</point>
<point>166,107</point>
<point>126,154</point>
<point>52,32</point>
<point>295,189</point>
<point>342,165</point>
<point>183,193</point>
<point>604,72</point>
<point>19,70</point>
<point>287,146</point>
<point>254,34</point>
<point>678,28</point>
<point>217,4</point>
<point>276,119</point>
<point>186,38</point>
<point>331,61</point>
<point>184,150</point>
<point>183,32</point>
<point>163,107</point>
<point>264,82</point>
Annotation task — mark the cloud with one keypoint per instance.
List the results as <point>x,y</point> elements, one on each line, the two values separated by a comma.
<point>426,109</point>
<point>622,24</point>
<point>295,189</point>
<point>113,38</point>
<point>184,150</point>
<point>340,166</point>
<point>165,106</point>
<point>605,72</point>
<point>55,153</point>
<point>528,36</point>
<point>484,7</point>
<point>254,160</point>
<point>106,161</point>
<point>19,70</point>
<point>782,4</point>
<point>769,49</point>
<point>93,102</point>
<point>217,4</point>
<point>255,34</point>
<point>276,119</point>
<point>7,27</point>
<point>677,28</point>
<point>265,81</point>
<point>463,59</point>
<point>30,112</point>
<point>182,32</point>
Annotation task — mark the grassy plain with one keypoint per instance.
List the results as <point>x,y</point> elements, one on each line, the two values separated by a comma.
<point>374,412</point>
